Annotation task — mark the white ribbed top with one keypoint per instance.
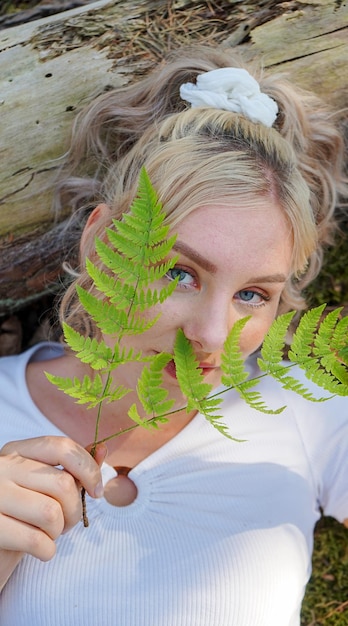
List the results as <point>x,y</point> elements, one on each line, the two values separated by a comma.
<point>219,535</point>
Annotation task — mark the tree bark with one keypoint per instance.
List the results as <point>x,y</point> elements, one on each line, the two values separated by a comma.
<point>51,67</point>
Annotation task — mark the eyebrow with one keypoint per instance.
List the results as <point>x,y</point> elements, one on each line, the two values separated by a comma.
<point>271,278</point>
<point>195,256</point>
<point>192,254</point>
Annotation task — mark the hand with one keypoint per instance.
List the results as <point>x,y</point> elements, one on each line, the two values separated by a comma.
<point>39,501</point>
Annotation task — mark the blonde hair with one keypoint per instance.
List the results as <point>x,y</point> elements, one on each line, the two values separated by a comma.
<point>196,157</point>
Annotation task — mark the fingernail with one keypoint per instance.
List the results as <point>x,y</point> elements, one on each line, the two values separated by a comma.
<point>99,490</point>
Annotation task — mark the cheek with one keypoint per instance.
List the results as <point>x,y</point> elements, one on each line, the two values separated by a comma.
<point>253,335</point>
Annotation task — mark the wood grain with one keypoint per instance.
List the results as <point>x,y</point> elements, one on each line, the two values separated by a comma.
<point>50,68</point>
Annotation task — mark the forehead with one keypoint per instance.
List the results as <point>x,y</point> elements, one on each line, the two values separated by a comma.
<point>250,233</point>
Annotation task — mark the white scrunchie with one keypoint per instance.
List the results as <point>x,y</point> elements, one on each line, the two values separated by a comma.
<point>231,89</point>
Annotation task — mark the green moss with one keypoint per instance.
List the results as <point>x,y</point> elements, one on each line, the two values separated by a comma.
<point>326,599</point>
<point>331,286</point>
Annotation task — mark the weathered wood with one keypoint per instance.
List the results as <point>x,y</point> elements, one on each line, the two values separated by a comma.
<point>50,67</point>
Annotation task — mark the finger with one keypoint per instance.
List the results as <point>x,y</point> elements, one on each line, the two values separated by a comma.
<point>99,452</point>
<point>33,508</point>
<point>21,537</point>
<point>30,486</point>
<point>60,451</point>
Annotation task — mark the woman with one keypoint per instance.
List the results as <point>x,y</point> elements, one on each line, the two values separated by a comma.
<point>186,526</point>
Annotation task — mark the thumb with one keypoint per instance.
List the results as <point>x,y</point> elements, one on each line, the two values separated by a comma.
<point>99,452</point>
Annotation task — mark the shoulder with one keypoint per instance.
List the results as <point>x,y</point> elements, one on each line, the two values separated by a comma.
<point>13,367</point>
<point>310,402</point>
<point>18,414</point>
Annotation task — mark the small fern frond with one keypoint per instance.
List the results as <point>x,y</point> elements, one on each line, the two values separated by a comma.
<point>141,235</point>
<point>121,266</point>
<point>324,337</point>
<point>274,342</point>
<point>114,393</point>
<point>302,341</point>
<point>316,346</point>
<point>188,372</point>
<point>89,391</point>
<point>193,386</point>
<point>299,353</point>
<point>133,413</point>
<point>327,343</point>
<point>152,395</point>
<point>110,320</point>
<point>86,391</point>
<point>281,374</point>
<point>232,363</point>
<point>96,353</point>
<point>119,293</point>
<point>234,372</point>
<point>124,296</point>
<point>144,300</point>
<point>156,272</point>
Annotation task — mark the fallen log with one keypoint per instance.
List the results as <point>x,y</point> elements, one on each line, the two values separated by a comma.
<point>51,67</point>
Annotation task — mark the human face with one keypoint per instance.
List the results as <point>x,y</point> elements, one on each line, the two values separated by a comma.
<point>233,262</point>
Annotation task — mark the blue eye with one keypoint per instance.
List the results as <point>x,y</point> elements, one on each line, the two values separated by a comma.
<point>254,298</point>
<point>185,278</point>
<point>247,295</point>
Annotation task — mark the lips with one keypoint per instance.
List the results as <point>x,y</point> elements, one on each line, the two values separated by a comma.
<point>171,369</point>
<point>205,367</point>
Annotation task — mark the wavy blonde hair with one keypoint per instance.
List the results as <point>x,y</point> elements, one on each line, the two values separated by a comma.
<point>202,156</point>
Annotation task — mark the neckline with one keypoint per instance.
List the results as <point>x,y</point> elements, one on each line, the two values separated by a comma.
<point>167,450</point>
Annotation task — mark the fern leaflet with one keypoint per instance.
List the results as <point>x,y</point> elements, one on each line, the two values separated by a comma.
<point>235,374</point>
<point>192,384</point>
<point>152,395</point>
<point>315,346</point>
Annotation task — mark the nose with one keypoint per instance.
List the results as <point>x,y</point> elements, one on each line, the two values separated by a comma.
<point>209,325</point>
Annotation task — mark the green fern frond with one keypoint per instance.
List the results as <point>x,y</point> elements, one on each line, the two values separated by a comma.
<point>193,386</point>
<point>115,393</point>
<point>340,335</point>
<point>89,391</point>
<point>274,342</point>
<point>147,299</point>
<point>327,343</point>
<point>119,293</point>
<point>96,353</point>
<point>315,349</point>
<point>324,336</point>
<point>124,296</point>
<point>145,422</point>
<point>302,341</point>
<point>124,268</point>
<point>300,351</point>
<point>281,374</point>
<point>232,363</point>
<point>152,395</point>
<point>110,320</point>
<point>188,372</point>
<point>141,236</point>
<point>235,374</point>
<point>86,391</point>
<point>124,302</point>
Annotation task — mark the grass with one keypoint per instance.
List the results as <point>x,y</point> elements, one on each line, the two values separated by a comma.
<point>326,599</point>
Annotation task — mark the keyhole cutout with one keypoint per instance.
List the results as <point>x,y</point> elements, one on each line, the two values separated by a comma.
<point>121,490</point>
